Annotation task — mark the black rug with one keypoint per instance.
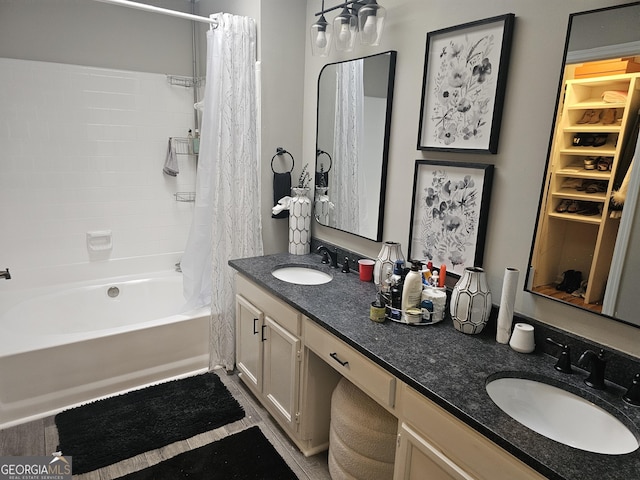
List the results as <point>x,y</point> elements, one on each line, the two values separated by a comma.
<point>246,455</point>
<point>110,430</point>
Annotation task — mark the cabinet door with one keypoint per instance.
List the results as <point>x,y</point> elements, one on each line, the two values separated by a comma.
<point>249,338</point>
<point>282,357</point>
<point>417,459</point>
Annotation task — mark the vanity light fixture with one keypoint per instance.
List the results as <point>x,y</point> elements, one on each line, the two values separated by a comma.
<point>363,17</point>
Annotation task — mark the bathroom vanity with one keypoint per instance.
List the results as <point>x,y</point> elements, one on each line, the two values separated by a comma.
<point>294,343</point>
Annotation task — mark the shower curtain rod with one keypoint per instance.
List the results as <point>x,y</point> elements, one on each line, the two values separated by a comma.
<point>164,11</point>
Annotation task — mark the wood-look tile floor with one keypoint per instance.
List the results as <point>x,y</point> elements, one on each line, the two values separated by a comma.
<point>40,437</point>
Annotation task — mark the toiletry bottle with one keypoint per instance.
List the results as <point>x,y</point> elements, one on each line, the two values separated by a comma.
<point>196,142</point>
<point>396,284</point>
<point>442,275</point>
<point>412,288</point>
<point>190,142</point>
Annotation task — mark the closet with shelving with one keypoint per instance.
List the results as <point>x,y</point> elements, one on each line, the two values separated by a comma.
<point>578,224</point>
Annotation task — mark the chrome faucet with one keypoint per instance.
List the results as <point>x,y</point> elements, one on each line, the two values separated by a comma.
<point>596,364</point>
<point>332,255</point>
<point>5,274</point>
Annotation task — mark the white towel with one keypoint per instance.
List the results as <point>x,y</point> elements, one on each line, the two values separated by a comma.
<point>614,96</point>
<point>171,162</point>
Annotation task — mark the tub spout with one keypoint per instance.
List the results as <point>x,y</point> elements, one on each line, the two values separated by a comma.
<point>5,274</point>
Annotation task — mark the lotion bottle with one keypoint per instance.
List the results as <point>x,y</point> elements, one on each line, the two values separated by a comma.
<point>412,289</point>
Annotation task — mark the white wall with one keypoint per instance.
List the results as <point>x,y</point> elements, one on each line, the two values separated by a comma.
<point>534,74</point>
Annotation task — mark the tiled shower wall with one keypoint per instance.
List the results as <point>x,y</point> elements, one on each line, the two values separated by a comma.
<point>82,149</point>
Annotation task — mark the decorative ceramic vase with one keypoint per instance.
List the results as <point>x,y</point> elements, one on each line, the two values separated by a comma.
<point>300,222</point>
<point>322,205</point>
<point>471,301</point>
<point>387,257</point>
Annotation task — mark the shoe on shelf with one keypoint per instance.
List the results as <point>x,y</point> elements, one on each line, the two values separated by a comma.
<point>563,205</point>
<point>583,140</point>
<point>562,285</point>
<point>590,163</point>
<point>596,186</point>
<point>573,282</point>
<point>590,116</point>
<point>588,209</point>
<point>573,206</point>
<point>600,139</point>
<point>573,183</point>
<point>610,116</point>
<point>604,163</point>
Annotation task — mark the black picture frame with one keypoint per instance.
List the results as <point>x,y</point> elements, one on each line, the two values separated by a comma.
<point>463,86</point>
<point>449,213</point>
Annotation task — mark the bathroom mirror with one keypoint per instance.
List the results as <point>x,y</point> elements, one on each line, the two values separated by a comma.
<point>352,143</point>
<point>585,248</point>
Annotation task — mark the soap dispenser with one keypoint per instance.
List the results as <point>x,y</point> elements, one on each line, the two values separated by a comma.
<point>412,289</point>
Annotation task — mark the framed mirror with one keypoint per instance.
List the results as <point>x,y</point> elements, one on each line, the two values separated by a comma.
<point>585,247</point>
<point>352,143</point>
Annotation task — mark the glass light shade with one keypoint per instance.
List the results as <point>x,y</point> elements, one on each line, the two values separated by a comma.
<point>320,37</point>
<point>345,27</point>
<point>371,23</point>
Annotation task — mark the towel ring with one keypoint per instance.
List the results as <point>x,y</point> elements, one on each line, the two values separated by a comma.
<point>322,152</point>
<point>281,151</point>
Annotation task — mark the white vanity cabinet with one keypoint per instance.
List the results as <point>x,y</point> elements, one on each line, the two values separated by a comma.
<point>269,357</point>
<point>434,444</point>
<point>269,350</point>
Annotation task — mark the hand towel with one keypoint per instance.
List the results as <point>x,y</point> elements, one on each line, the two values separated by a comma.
<point>283,204</point>
<point>281,188</point>
<point>614,96</point>
<point>171,162</point>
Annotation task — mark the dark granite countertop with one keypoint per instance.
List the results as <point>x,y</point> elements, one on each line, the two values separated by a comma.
<point>450,368</point>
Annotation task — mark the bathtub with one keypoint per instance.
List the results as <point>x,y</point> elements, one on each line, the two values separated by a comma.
<point>65,345</point>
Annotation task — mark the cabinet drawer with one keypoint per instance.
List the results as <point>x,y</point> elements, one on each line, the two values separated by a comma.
<point>459,442</point>
<point>287,316</point>
<point>362,372</point>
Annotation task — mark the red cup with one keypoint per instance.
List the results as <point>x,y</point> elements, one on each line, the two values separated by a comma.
<point>365,267</point>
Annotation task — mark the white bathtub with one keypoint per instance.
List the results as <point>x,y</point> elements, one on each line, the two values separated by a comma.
<point>64,345</point>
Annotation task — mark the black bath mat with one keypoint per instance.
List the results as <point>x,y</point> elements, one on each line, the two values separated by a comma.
<point>110,430</point>
<point>246,455</point>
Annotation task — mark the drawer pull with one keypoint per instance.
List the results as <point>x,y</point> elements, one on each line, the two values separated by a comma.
<point>334,355</point>
<point>263,339</point>
<point>255,330</point>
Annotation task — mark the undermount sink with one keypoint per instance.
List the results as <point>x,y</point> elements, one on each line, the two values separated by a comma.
<point>561,416</point>
<point>301,275</point>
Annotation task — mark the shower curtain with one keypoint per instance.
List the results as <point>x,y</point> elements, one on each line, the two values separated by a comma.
<point>346,183</point>
<point>226,221</point>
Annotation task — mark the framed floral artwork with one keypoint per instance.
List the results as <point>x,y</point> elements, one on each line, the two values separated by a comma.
<point>449,213</point>
<point>463,88</point>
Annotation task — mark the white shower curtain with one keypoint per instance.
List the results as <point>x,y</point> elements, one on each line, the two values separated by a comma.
<point>349,133</point>
<point>226,222</point>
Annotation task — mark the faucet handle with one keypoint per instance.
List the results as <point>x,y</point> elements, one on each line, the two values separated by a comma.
<point>564,360</point>
<point>325,257</point>
<point>632,396</point>
<point>596,364</point>
<point>345,266</point>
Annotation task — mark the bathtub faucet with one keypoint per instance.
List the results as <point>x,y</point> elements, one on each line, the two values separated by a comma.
<point>5,274</point>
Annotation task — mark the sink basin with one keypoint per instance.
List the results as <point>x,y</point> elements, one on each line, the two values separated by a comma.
<point>301,275</point>
<point>561,416</point>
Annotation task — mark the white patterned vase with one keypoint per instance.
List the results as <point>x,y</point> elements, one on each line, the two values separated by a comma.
<point>383,268</point>
<point>471,301</point>
<point>300,222</point>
